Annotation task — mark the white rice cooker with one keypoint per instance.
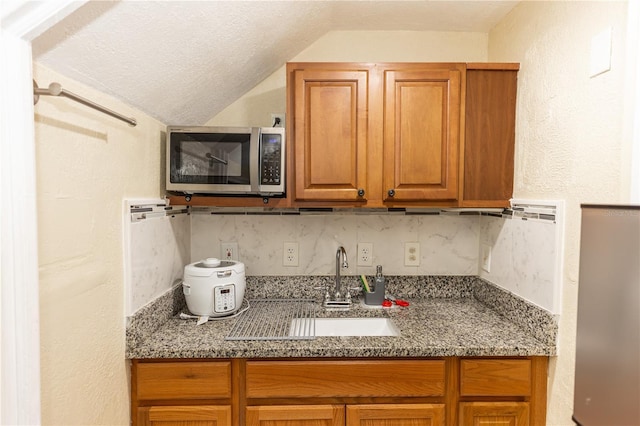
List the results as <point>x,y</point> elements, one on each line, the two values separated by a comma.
<point>214,287</point>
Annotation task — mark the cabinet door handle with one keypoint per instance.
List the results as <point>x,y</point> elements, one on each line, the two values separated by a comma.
<point>391,193</point>
<point>360,192</point>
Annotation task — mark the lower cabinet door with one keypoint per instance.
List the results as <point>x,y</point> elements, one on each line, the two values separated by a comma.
<point>194,415</point>
<point>295,415</point>
<point>494,414</point>
<point>396,415</point>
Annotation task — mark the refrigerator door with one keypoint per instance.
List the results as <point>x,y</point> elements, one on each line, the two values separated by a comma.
<point>607,374</point>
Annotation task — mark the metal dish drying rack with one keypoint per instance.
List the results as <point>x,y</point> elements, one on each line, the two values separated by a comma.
<point>276,319</point>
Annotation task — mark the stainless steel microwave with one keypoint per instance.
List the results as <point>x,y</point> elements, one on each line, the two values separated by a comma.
<point>226,160</point>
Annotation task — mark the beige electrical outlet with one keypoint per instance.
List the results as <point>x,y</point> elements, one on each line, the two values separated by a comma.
<point>412,254</point>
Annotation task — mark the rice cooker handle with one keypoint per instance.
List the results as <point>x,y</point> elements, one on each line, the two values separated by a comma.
<point>224,274</point>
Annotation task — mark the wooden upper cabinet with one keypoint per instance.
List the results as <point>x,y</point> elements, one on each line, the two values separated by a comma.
<point>401,134</point>
<point>421,133</point>
<point>330,134</point>
<point>490,119</point>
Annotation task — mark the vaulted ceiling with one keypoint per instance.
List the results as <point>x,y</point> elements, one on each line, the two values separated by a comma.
<point>185,61</point>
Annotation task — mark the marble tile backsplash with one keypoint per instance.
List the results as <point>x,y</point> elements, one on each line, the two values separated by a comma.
<point>523,258</point>
<point>448,243</point>
<point>524,253</point>
<point>159,250</point>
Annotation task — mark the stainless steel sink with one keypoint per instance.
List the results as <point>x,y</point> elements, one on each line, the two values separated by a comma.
<point>343,327</point>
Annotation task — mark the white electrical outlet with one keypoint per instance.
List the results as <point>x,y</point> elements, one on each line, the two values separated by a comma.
<point>365,254</point>
<point>290,254</point>
<point>412,254</point>
<point>277,119</point>
<point>485,257</point>
<point>229,251</point>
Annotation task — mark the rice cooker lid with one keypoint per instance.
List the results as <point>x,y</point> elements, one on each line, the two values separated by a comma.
<point>212,262</point>
<point>207,266</point>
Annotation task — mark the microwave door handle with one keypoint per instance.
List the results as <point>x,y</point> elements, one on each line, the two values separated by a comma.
<point>254,158</point>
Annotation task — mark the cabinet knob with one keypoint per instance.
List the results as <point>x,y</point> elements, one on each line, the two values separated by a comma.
<point>391,193</point>
<point>360,192</point>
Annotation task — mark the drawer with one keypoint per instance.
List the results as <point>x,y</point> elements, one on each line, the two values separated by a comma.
<point>183,380</point>
<point>219,415</point>
<point>299,379</point>
<point>495,377</point>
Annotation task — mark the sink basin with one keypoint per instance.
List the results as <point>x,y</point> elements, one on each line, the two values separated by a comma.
<point>344,327</point>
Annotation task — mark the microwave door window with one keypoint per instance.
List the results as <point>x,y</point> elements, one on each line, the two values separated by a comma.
<point>203,160</point>
<point>215,162</point>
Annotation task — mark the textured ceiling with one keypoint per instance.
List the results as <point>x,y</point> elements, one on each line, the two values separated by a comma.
<point>183,62</point>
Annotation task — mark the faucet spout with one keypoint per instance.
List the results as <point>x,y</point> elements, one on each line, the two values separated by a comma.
<point>341,255</point>
<point>338,298</point>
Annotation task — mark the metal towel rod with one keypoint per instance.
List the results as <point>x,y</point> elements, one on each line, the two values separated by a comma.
<point>55,89</point>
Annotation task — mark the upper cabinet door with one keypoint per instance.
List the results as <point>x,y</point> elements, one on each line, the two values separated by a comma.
<point>330,134</point>
<point>421,134</point>
<point>490,129</point>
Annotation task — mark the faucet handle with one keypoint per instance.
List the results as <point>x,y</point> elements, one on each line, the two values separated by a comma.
<point>325,288</point>
<point>347,295</point>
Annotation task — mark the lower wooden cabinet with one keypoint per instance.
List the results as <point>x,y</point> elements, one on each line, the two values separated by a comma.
<point>349,378</point>
<point>347,415</point>
<point>494,414</point>
<point>295,415</point>
<point>447,391</point>
<point>189,415</point>
<point>190,380</point>
<point>396,414</point>
<point>495,377</point>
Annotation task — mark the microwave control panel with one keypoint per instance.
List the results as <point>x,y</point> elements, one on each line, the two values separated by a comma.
<point>271,159</point>
<point>224,298</point>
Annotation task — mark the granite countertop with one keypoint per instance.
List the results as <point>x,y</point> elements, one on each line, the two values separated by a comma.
<point>429,327</point>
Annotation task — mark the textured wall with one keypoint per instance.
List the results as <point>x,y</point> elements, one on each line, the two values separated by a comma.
<point>569,142</point>
<point>87,162</point>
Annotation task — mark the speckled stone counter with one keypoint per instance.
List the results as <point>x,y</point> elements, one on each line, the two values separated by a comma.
<point>447,316</point>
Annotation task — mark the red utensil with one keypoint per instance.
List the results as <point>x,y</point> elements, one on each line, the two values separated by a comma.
<point>398,302</point>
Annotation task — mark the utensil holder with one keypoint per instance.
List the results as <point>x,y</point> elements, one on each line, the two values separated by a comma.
<point>375,297</point>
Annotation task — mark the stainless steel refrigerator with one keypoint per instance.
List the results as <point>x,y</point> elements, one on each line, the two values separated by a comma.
<point>607,375</point>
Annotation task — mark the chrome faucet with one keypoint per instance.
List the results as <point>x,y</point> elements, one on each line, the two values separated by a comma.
<point>340,298</point>
<point>340,253</point>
